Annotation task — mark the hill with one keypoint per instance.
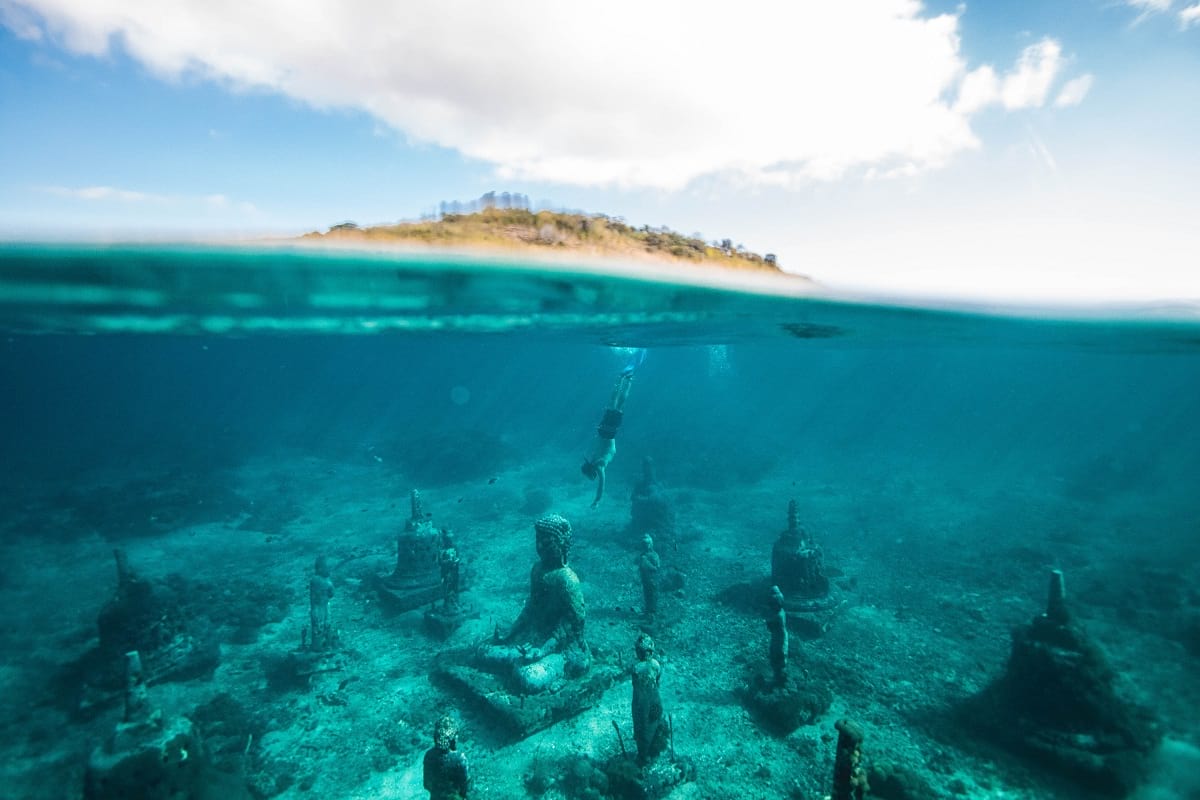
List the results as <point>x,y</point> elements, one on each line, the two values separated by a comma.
<point>582,234</point>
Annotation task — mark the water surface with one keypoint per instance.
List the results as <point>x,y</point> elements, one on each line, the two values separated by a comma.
<point>229,413</point>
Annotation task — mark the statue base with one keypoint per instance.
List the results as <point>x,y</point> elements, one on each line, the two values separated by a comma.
<point>441,621</point>
<point>152,759</point>
<point>807,618</point>
<point>783,707</point>
<point>811,605</point>
<point>397,597</point>
<point>628,781</point>
<point>522,715</point>
<point>302,665</point>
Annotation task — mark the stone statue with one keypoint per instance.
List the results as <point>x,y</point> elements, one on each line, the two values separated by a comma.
<point>320,592</point>
<point>1058,700</point>
<point>797,561</point>
<point>318,653</point>
<point>417,577</point>
<point>148,755</point>
<point>798,569</point>
<point>777,626</point>
<point>779,701</point>
<point>161,620</point>
<point>546,642</point>
<point>654,770</point>
<point>137,701</point>
<point>649,509</point>
<point>648,565</point>
<point>541,670</point>
<point>650,732</point>
<point>444,768</point>
<point>444,618</point>
<point>450,565</point>
<point>849,778</point>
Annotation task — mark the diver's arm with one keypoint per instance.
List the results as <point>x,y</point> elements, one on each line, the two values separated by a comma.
<point>599,485</point>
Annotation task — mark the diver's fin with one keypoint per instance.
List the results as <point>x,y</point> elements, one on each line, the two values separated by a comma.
<point>636,359</point>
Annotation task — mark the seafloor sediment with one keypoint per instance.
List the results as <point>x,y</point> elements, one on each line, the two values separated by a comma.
<point>923,624</point>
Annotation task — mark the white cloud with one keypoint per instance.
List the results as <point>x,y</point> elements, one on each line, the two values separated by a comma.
<point>1188,15</point>
<point>1026,85</point>
<point>979,88</point>
<point>210,202</point>
<point>104,193</point>
<point>1029,83</point>
<point>625,93</point>
<point>1157,6</point>
<point>21,21</point>
<point>1073,91</point>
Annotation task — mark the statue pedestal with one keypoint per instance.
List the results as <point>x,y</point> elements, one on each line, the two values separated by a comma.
<point>301,665</point>
<point>654,781</point>
<point>441,621</point>
<point>522,714</point>
<point>781,708</point>
<point>147,759</point>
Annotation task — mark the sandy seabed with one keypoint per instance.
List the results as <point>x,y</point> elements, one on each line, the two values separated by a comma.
<point>925,623</point>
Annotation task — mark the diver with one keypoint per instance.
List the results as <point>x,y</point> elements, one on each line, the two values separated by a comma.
<point>605,445</point>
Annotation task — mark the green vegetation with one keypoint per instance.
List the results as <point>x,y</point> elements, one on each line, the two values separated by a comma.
<point>588,234</point>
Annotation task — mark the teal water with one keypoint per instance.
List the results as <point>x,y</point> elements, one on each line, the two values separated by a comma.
<point>227,414</point>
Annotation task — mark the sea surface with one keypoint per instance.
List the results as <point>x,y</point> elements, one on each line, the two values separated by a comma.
<point>224,415</point>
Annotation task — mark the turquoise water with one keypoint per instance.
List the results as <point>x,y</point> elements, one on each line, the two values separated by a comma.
<point>225,415</point>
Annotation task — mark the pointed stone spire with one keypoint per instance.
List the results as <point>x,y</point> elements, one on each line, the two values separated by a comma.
<point>125,573</point>
<point>1056,602</point>
<point>415,502</point>
<point>137,702</point>
<point>649,478</point>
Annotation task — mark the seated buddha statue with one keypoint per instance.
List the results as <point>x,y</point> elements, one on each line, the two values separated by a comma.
<point>545,644</point>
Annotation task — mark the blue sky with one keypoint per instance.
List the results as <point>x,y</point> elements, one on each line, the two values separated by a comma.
<point>1006,150</point>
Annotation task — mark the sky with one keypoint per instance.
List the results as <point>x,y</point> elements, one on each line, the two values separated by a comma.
<point>1008,151</point>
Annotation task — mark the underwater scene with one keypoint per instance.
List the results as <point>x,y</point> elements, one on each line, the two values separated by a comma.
<point>294,524</point>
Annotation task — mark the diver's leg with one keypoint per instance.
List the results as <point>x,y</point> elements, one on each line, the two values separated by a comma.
<point>621,391</point>
<point>635,360</point>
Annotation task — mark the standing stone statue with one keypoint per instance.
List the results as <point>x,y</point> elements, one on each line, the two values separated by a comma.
<point>648,565</point>
<point>777,625</point>
<point>779,701</point>
<point>654,771</point>
<point>149,755</point>
<point>649,728</point>
<point>320,592</point>
<point>137,701</point>
<point>444,769</point>
<point>443,619</point>
<point>849,778</point>
<point>451,566</point>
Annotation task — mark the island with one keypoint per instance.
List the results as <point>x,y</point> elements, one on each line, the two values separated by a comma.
<point>500,222</point>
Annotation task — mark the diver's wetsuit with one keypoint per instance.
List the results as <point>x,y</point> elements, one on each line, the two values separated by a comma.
<point>610,423</point>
